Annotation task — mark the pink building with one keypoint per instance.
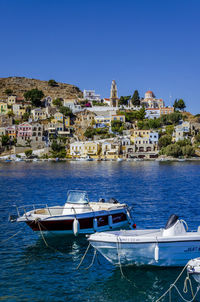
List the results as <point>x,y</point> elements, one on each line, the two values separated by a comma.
<point>24,131</point>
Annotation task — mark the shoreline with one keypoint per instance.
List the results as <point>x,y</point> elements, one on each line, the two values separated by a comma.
<point>167,159</point>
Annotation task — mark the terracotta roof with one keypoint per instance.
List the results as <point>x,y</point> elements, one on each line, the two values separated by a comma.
<point>149,91</point>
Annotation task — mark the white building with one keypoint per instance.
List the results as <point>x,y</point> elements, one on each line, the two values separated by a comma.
<point>91,96</point>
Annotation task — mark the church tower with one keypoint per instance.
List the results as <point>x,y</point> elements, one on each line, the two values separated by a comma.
<point>113,95</point>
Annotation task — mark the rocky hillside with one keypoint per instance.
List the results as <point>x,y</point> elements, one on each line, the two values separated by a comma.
<point>19,85</point>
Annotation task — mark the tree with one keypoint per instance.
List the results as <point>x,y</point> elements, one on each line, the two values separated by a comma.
<point>34,96</point>
<point>10,113</point>
<point>52,83</point>
<point>188,151</point>
<point>154,123</point>
<point>164,141</point>
<point>124,100</point>
<point>26,116</point>
<point>181,104</point>
<point>175,104</point>
<point>135,98</point>
<point>173,150</point>
<point>141,114</point>
<point>66,111</point>
<point>5,140</point>
<point>28,153</point>
<point>57,102</point>
<point>117,126</point>
<point>8,91</point>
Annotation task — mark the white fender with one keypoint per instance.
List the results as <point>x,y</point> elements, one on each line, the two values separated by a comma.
<point>156,253</point>
<point>110,222</point>
<point>76,227</point>
<point>95,224</point>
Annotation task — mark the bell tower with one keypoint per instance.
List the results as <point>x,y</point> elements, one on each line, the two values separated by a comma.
<point>113,95</point>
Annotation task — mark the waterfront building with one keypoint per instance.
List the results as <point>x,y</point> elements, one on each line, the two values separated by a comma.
<point>24,133</point>
<point>150,101</point>
<point>181,131</point>
<point>83,149</point>
<point>37,133</point>
<point>111,149</point>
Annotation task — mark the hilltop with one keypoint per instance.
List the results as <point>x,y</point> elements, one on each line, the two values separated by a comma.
<point>20,85</point>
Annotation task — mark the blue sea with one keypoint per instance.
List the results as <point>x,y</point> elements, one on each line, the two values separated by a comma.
<point>30,271</point>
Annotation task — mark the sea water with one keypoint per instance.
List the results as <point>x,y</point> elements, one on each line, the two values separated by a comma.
<point>31,271</point>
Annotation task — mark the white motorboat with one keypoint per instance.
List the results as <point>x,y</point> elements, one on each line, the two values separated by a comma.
<point>77,216</point>
<point>171,246</point>
<point>193,268</point>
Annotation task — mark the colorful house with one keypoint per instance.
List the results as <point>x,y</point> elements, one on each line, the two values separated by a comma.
<point>3,108</point>
<point>11,131</point>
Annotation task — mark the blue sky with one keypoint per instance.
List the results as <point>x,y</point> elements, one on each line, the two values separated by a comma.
<point>141,44</point>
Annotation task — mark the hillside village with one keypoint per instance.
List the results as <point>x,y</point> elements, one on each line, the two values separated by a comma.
<point>58,121</point>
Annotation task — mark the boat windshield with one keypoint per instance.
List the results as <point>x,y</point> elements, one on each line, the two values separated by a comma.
<point>77,197</point>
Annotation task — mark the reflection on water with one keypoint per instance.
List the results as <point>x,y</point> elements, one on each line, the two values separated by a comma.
<point>30,271</point>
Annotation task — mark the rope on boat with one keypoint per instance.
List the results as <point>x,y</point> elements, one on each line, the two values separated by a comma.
<point>185,289</point>
<point>47,245</point>
<point>83,256</point>
<point>93,258</point>
<point>120,266</point>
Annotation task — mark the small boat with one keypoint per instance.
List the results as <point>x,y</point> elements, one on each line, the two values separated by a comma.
<point>119,159</point>
<point>193,269</point>
<point>171,246</point>
<point>77,216</point>
<point>17,159</point>
<point>87,158</point>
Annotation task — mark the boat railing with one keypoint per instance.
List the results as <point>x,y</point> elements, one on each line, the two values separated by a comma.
<point>27,208</point>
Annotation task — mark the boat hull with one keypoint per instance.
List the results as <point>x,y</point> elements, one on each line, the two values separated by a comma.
<point>166,253</point>
<point>65,225</point>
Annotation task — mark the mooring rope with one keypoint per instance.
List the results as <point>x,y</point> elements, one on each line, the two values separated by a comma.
<point>120,266</point>
<point>93,258</point>
<point>83,256</point>
<point>185,290</point>
<point>47,245</point>
<point>11,237</point>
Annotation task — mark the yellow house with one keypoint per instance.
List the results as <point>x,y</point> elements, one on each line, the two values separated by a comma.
<point>102,120</point>
<point>83,149</point>
<point>140,133</point>
<point>11,99</point>
<point>91,148</point>
<point>67,121</point>
<point>58,118</point>
<point>120,118</point>
<point>3,108</point>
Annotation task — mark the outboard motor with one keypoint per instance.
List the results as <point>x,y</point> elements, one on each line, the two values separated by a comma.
<point>174,226</point>
<point>171,221</point>
<point>112,200</point>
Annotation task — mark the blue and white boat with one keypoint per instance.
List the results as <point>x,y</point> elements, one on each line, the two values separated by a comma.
<point>171,246</point>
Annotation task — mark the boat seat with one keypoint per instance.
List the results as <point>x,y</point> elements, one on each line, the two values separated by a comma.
<point>41,211</point>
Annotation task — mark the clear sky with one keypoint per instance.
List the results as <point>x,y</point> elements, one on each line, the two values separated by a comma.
<point>142,44</point>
